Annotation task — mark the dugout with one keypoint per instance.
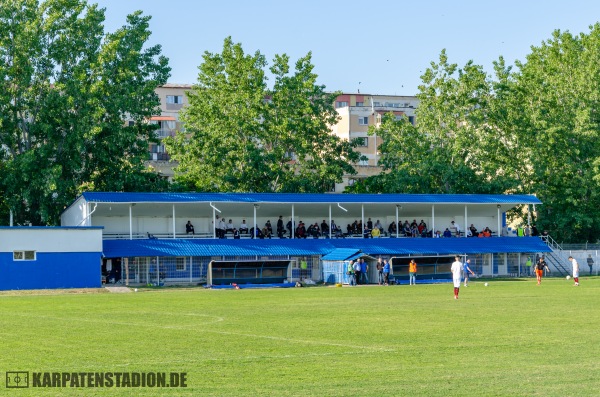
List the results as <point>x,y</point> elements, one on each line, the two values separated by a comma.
<point>249,272</point>
<point>429,268</point>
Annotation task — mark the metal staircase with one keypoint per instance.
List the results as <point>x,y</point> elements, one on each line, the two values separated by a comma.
<point>556,259</point>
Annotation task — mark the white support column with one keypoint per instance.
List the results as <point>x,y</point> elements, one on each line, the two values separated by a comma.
<point>432,220</point>
<point>499,232</point>
<point>362,217</point>
<point>214,224</point>
<point>174,232</point>
<point>329,220</point>
<point>465,230</point>
<point>397,225</point>
<point>130,223</point>
<point>293,223</point>
<point>191,269</point>
<point>254,226</point>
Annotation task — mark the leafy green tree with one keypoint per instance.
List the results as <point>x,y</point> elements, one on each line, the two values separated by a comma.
<point>558,91</point>
<point>448,150</point>
<point>243,136</point>
<point>66,88</point>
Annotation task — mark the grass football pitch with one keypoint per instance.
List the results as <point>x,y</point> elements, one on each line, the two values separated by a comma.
<point>512,338</point>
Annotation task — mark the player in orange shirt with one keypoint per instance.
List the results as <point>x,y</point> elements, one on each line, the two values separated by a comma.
<point>412,272</point>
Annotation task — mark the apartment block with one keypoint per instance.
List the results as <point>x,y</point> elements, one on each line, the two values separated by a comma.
<point>357,112</point>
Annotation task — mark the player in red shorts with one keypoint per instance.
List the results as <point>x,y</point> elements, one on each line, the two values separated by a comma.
<point>539,269</point>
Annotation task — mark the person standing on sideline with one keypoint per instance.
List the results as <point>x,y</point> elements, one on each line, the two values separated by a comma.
<point>456,269</point>
<point>379,271</point>
<point>412,272</point>
<point>350,273</point>
<point>386,272</point>
<point>364,271</point>
<point>590,262</point>
<point>539,269</point>
<point>357,272</point>
<point>575,270</point>
<point>466,271</point>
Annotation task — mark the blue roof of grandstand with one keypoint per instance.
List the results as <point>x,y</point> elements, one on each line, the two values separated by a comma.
<point>120,197</point>
<point>342,254</point>
<point>304,247</point>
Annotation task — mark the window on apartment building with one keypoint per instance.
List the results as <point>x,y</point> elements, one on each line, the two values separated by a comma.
<point>341,104</point>
<point>376,103</point>
<point>175,99</point>
<point>363,142</point>
<point>180,264</point>
<point>360,104</point>
<point>411,119</point>
<point>364,162</point>
<point>24,255</point>
<point>131,123</point>
<point>363,120</point>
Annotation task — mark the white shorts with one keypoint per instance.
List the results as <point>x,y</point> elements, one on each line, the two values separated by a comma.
<point>575,273</point>
<point>456,282</point>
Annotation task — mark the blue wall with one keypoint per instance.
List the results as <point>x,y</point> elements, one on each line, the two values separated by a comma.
<point>51,270</point>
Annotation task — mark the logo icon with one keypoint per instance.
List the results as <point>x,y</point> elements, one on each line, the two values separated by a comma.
<point>17,379</point>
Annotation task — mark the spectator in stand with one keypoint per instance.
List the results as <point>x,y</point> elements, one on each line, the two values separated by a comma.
<point>392,229</point>
<point>229,227</point>
<point>189,228</point>
<point>447,233</point>
<point>366,232</point>
<point>455,229</point>
<point>316,233</point>
<point>243,227</point>
<point>325,229</point>
<point>266,232</point>
<point>290,227</point>
<point>236,234</point>
<point>473,231</point>
<point>487,232</point>
<point>269,228</point>
<point>280,228</point>
<point>414,229</point>
<point>334,227</point>
<point>301,230</point>
<point>375,233</point>
<point>370,224</point>
<point>355,229</point>
<point>221,228</point>
<point>422,228</point>
<point>379,226</point>
<point>407,232</point>
<point>545,235</point>
<point>349,230</point>
<point>534,231</point>
<point>437,234</point>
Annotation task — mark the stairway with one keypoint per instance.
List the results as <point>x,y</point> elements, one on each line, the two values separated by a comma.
<point>557,260</point>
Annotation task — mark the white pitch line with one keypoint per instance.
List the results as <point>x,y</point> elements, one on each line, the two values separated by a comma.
<point>217,319</point>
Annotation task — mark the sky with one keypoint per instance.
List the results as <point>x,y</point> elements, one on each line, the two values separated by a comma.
<point>375,47</point>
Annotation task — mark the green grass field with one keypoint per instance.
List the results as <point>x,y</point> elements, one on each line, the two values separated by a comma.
<point>511,338</point>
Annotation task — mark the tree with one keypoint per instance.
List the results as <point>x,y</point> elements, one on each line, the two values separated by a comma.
<point>448,150</point>
<point>242,136</point>
<point>559,92</point>
<point>66,88</point>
